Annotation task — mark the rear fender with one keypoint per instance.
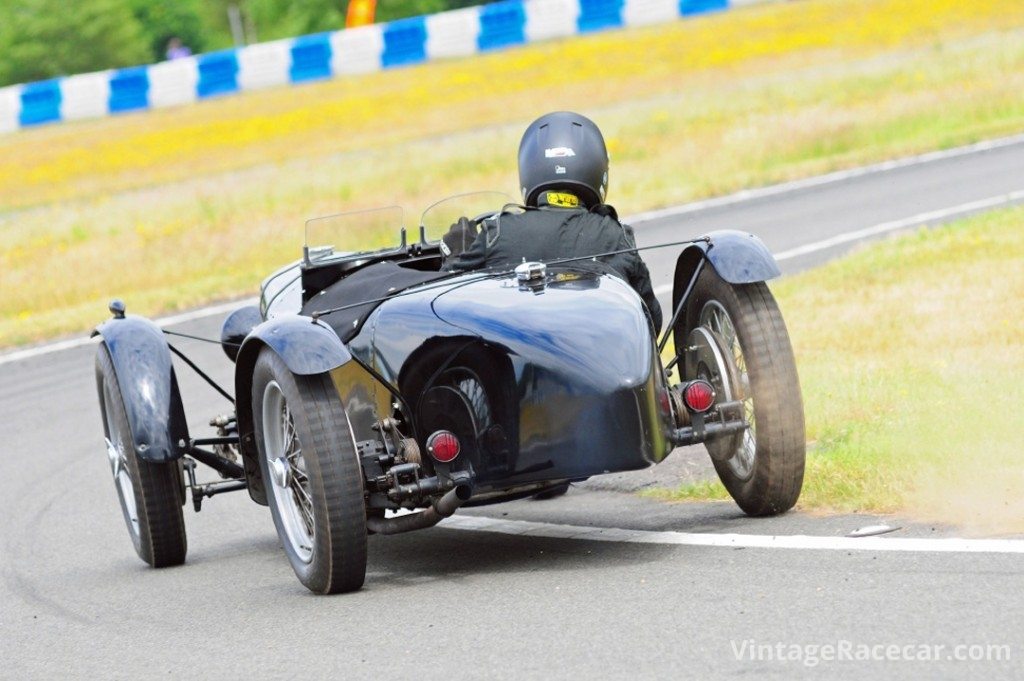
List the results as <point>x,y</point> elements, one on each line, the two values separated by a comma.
<point>738,258</point>
<point>149,388</point>
<point>307,347</point>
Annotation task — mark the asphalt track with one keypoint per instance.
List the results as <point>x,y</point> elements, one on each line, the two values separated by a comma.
<point>598,583</point>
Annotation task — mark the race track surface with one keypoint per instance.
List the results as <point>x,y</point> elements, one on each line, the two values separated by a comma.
<point>464,603</point>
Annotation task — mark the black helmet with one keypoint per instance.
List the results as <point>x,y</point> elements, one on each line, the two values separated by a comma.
<point>563,150</point>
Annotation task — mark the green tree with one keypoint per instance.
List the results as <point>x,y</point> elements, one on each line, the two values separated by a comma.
<point>162,20</point>
<point>389,10</point>
<point>276,19</point>
<point>46,38</point>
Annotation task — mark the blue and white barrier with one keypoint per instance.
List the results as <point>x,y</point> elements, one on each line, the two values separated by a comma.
<point>457,33</point>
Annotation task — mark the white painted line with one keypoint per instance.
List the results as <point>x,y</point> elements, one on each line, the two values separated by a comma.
<point>891,226</point>
<point>163,322</point>
<point>44,350</point>
<point>754,541</point>
<point>819,180</point>
<point>912,221</point>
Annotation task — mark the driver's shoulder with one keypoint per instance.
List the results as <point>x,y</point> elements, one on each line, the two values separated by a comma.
<point>607,222</point>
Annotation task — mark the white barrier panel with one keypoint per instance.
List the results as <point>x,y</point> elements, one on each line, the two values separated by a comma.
<point>357,50</point>
<point>264,64</point>
<point>643,12</point>
<point>85,96</point>
<point>453,34</point>
<point>10,107</point>
<point>449,34</point>
<point>173,82</point>
<point>550,19</point>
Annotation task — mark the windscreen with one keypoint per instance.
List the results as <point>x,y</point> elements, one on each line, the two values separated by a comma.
<point>444,219</point>
<point>354,232</point>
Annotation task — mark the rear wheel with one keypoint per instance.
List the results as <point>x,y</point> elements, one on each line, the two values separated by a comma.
<point>762,467</point>
<point>313,479</point>
<point>150,493</point>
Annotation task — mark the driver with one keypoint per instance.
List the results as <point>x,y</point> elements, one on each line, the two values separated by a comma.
<point>563,171</point>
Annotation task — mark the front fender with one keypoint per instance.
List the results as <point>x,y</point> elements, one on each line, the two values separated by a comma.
<point>307,347</point>
<point>145,375</point>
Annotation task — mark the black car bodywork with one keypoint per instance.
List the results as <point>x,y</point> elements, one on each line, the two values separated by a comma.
<point>546,375</point>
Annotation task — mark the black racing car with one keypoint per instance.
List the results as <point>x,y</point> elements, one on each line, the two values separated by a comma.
<point>375,392</point>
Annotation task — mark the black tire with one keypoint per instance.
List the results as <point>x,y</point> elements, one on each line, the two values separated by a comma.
<point>153,512</point>
<point>327,469</point>
<point>772,484</point>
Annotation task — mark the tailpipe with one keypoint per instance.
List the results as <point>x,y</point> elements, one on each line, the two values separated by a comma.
<point>438,511</point>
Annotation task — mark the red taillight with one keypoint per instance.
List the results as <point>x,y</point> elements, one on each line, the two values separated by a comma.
<point>699,396</point>
<point>664,402</point>
<point>443,446</point>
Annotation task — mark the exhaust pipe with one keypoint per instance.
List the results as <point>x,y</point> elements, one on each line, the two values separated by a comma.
<point>438,511</point>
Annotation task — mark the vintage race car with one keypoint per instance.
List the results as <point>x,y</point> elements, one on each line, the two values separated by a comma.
<point>376,392</point>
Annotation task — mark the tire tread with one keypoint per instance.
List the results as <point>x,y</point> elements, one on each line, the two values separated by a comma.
<point>335,475</point>
<point>777,479</point>
<point>157,486</point>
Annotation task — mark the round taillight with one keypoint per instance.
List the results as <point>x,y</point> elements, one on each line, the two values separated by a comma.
<point>699,396</point>
<point>443,446</point>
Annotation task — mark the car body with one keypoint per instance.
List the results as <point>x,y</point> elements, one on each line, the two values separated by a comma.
<point>441,389</point>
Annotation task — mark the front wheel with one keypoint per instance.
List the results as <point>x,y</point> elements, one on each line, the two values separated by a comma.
<point>312,475</point>
<point>762,467</point>
<point>150,493</point>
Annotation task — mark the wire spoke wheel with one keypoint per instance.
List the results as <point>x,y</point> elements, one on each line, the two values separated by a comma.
<point>314,483</point>
<point>474,396</point>
<point>743,446</point>
<point>284,459</point>
<point>125,487</point>
<point>149,494</point>
<point>119,466</point>
<point>763,466</point>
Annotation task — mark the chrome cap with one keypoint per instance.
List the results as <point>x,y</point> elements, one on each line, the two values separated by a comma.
<point>531,272</point>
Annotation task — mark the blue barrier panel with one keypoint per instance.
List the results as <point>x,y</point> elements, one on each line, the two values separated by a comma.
<point>599,14</point>
<point>311,57</point>
<point>218,73</point>
<point>129,89</point>
<point>501,24</point>
<point>689,7</point>
<point>40,102</point>
<point>405,42</point>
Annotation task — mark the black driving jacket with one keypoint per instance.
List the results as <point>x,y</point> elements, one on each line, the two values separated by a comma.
<point>549,233</point>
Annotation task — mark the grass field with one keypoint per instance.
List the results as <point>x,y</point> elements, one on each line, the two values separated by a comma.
<point>173,208</point>
<point>917,409</point>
